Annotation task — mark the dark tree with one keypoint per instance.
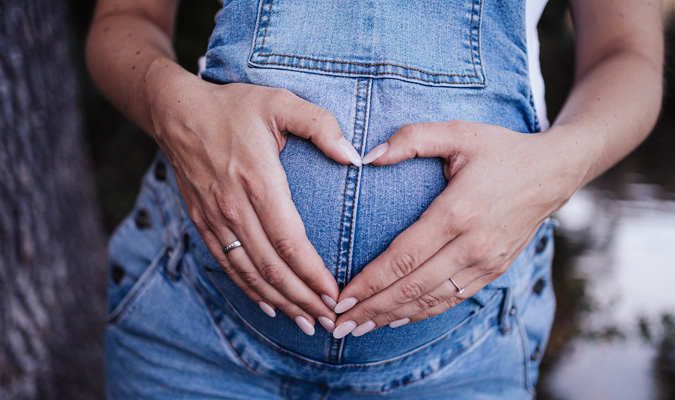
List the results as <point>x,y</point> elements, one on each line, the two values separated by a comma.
<point>52,260</point>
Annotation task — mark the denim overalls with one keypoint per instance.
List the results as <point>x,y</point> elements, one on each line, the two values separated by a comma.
<point>178,326</point>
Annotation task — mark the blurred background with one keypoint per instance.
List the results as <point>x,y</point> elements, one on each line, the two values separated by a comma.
<point>614,333</point>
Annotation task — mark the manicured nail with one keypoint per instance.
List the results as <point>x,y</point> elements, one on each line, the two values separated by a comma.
<point>304,325</point>
<point>399,322</point>
<point>267,309</point>
<point>345,305</point>
<point>351,153</point>
<point>375,153</point>
<point>344,329</point>
<point>327,324</point>
<point>329,301</point>
<point>363,328</point>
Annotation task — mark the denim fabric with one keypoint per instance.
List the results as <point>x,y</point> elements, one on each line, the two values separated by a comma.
<point>179,327</point>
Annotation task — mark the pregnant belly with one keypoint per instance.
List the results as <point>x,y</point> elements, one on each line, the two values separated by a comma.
<point>351,215</point>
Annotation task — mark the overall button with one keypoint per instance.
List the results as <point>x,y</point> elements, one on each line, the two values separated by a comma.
<point>542,244</point>
<point>539,285</point>
<point>160,171</point>
<point>535,354</point>
<point>116,273</point>
<point>142,219</point>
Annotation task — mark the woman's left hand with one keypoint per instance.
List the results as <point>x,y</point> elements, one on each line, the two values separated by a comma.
<point>501,186</point>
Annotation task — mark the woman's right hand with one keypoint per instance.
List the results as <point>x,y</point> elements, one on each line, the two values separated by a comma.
<point>223,142</point>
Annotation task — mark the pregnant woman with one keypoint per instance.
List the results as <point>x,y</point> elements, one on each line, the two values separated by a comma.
<point>383,168</point>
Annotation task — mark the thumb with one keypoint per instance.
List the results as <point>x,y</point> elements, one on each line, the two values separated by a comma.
<point>309,121</point>
<point>423,139</point>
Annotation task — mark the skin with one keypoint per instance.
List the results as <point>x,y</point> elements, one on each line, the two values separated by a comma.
<point>229,136</point>
<point>484,218</point>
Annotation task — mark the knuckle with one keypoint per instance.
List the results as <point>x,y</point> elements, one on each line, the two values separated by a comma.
<point>391,317</point>
<point>305,303</point>
<point>285,247</point>
<point>228,210</point>
<point>368,313</point>
<point>410,290</point>
<point>273,273</point>
<point>252,279</point>
<point>402,264</point>
<point>428,301</point>
<point>253,186</point>
<point>280,96</point>
<point>452,302</point>
<point>409,131</point>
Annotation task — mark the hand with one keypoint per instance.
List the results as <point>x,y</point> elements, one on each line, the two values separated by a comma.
<point>502,186</point>
<point>223,142</point>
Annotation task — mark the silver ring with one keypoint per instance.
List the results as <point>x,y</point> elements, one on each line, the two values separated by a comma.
<point>459,288</point>
<point>231,246</point>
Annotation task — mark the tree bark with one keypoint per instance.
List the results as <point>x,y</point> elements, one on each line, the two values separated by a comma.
<point>52,279</point>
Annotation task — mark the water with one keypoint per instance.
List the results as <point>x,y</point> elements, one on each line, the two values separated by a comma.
<point>621,251</point>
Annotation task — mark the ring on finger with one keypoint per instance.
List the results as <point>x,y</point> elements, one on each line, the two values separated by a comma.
<point>231,246</point>
<point>460,289</point>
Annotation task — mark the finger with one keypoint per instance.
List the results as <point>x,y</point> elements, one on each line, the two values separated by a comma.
<point>451,261</point>
<point>273,269</point>
<point>440,299</point>
<point>247,278</point>
<point>309,121</point>
<point>451,301</point>
<point>424,139</point>
<point>405,254</point>
<point>282,225</point>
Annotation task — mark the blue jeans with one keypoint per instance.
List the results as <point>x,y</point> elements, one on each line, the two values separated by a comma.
<point>179,327</point>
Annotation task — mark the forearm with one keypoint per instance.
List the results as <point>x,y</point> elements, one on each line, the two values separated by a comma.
<point>123,48</point>
<point>615,100</point>
<point>609,111</point>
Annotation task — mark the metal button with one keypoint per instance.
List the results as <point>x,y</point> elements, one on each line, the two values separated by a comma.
<point>160,171</point>
<point>539,286</point>
<point>535,354</point>
<point>116,273</point>
<point>142,219</point>
<point>512,311</point>
<point>541,246</point>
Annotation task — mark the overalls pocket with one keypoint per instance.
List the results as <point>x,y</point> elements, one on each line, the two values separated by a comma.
<point>433,43</point>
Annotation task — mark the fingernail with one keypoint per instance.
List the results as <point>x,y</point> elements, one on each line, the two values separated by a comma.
<point>351,153</point>
<point>375,153</point>
<point>329,301</point>
<point>304,325</point>
<point>344,329</point>
<point>363,328</point>
<point>399,322</point>
<point>267,309</point>
<point>345,305</point>
<point>327,324</point>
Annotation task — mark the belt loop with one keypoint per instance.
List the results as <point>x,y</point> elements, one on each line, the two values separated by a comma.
<point>507,311</point>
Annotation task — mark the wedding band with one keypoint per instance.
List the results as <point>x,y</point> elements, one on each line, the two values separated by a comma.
<point>231,246</point>
<point>459,288</point>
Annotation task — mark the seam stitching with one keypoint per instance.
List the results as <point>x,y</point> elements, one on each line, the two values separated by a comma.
<point>471,33</point>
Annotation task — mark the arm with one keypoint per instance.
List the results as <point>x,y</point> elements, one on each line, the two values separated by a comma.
<point>495,200</point>
<point>223,142</point>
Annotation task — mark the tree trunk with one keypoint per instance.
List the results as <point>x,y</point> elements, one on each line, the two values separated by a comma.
<point>52,280</point>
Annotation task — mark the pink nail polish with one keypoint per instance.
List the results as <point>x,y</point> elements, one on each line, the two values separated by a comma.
<point>350,152</point>
<point>375,153</point>
<point>327,324</point>
<point>329,301</point>
<point>304,325</point>
<point>345,305</point>
<point>363,328</point>
<point>267,309</point>
<point>399,322</point>
<point>344,329</point>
